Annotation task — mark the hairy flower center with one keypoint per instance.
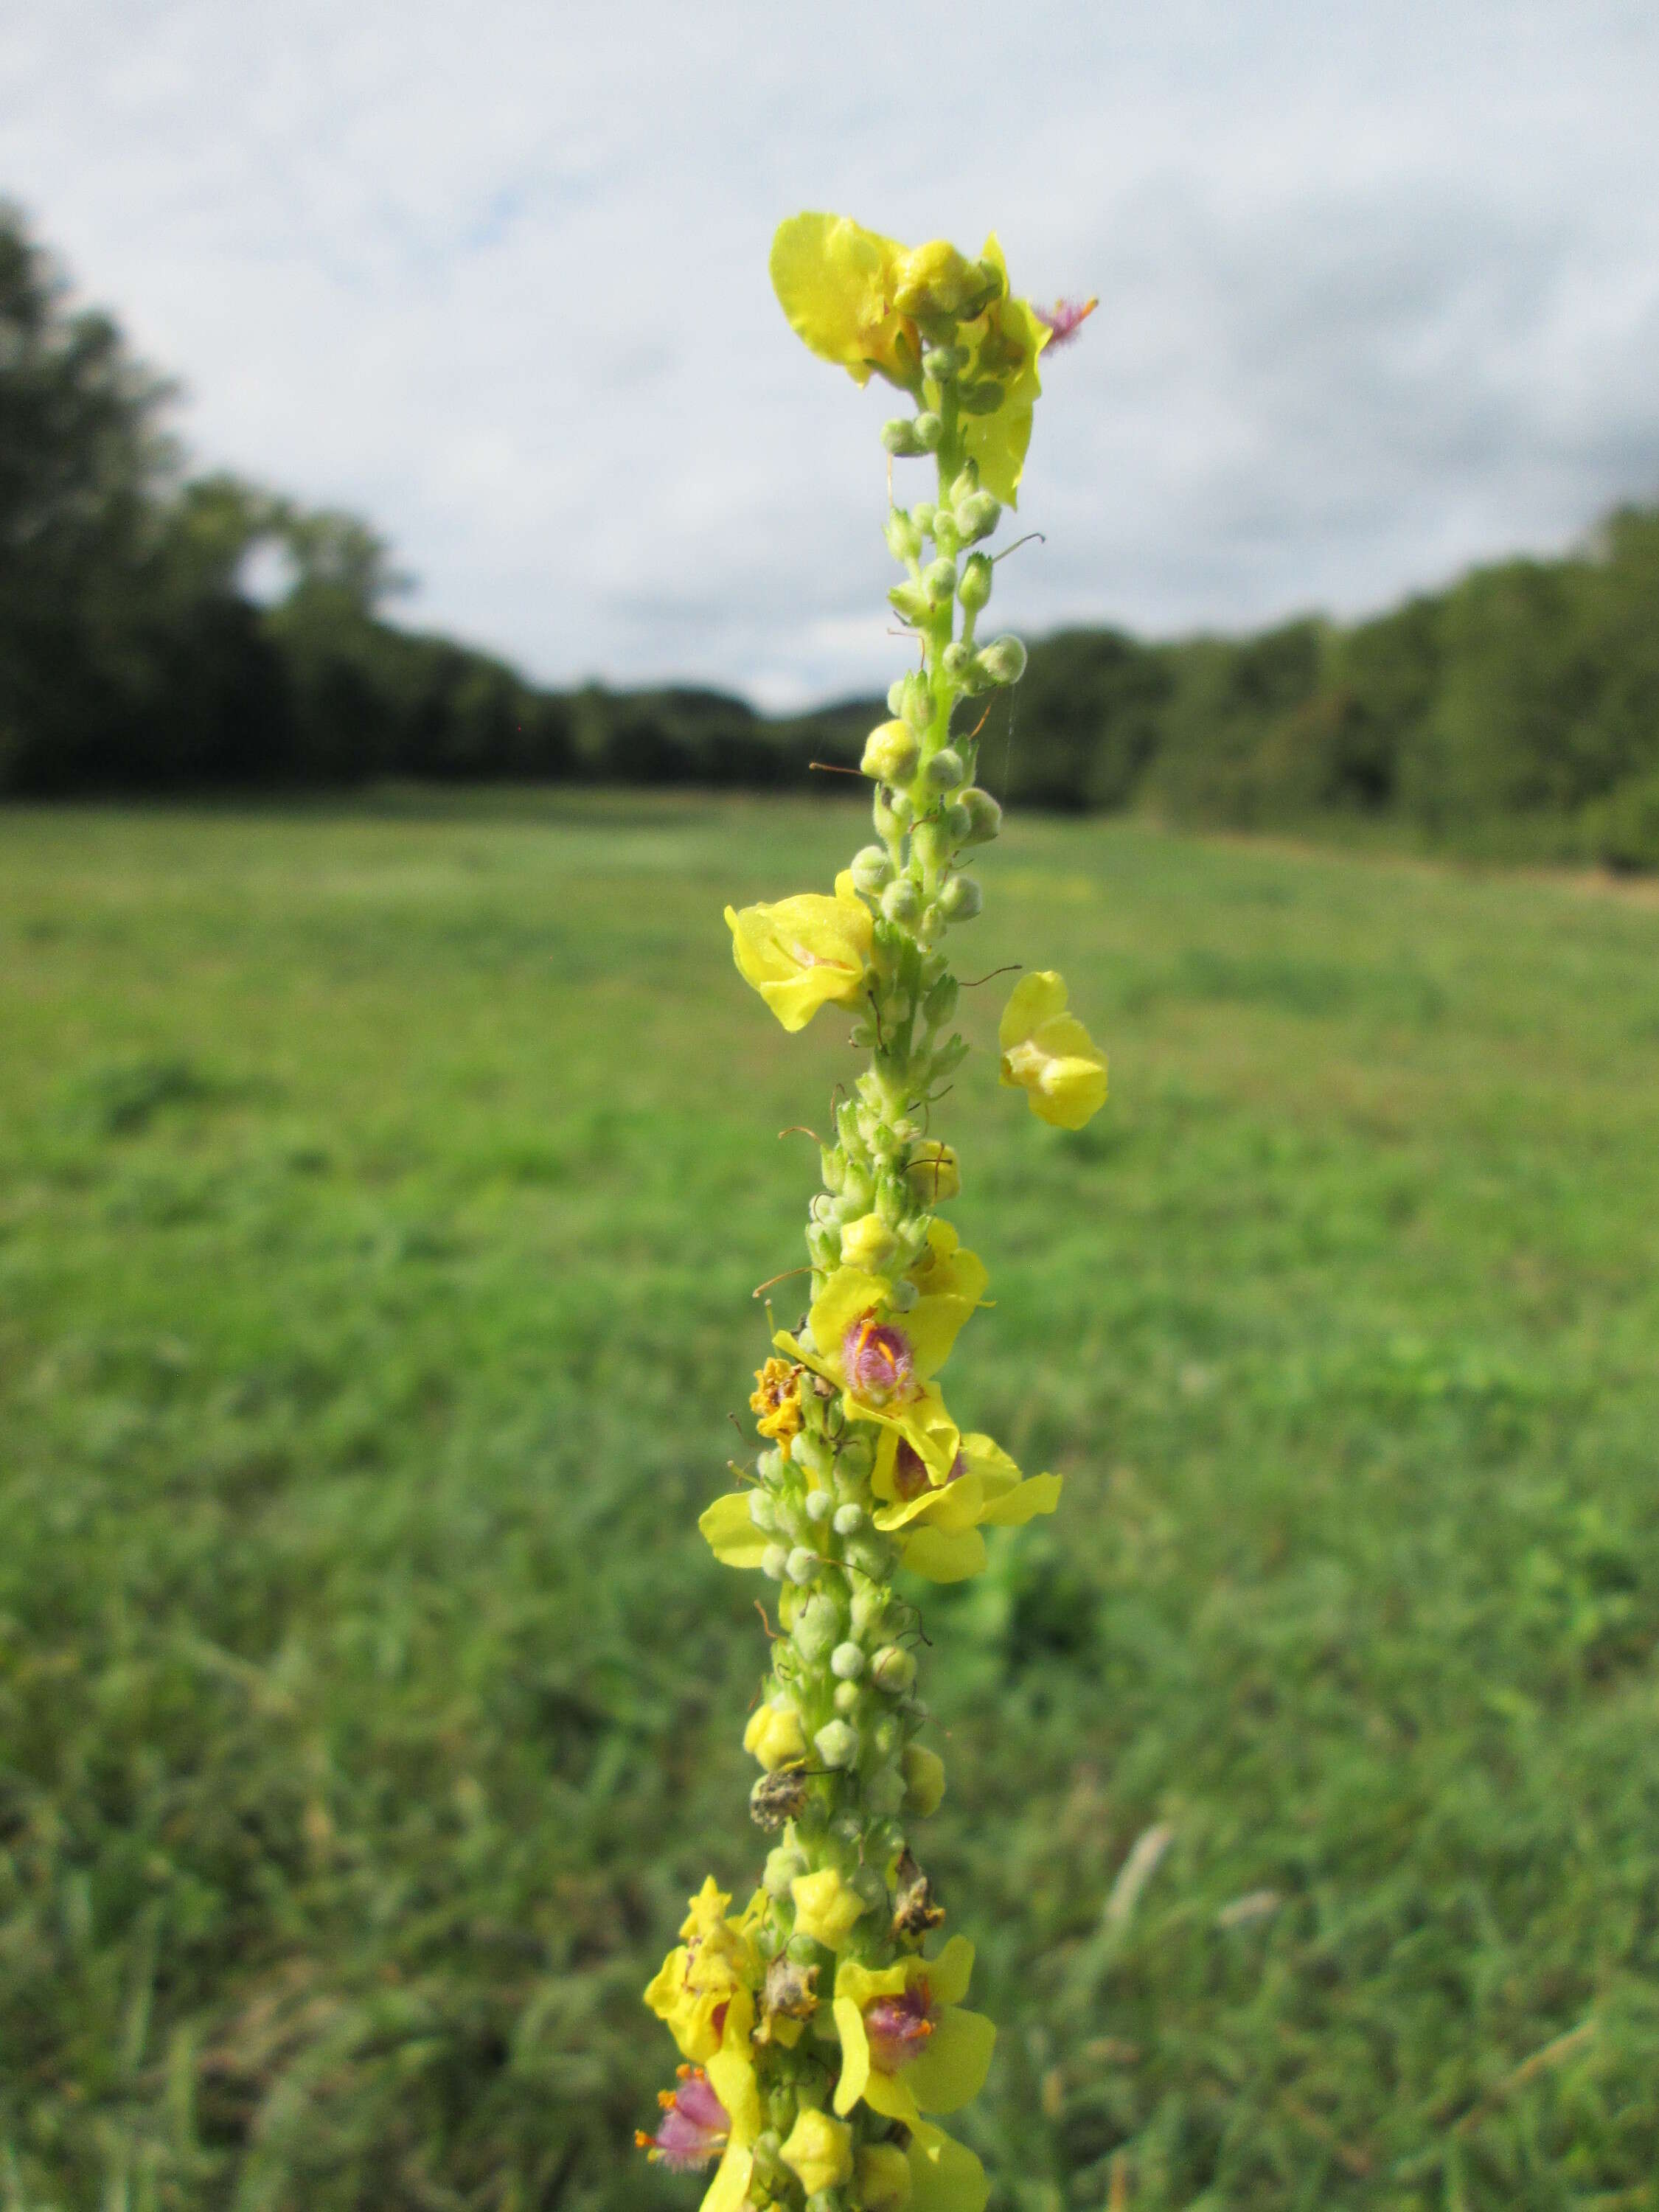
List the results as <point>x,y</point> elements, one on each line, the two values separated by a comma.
<point>898,2028</point>
<point>910,1475</point>
<point>694,2127</point>
<point>878,1359</point>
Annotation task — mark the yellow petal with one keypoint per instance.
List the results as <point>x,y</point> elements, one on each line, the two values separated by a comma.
<point>1040,1493</point>
<point>854,2054</point>
<point>924,1780</point>
<point>945,2175</point>
<point>729,2190</point>
<point>730,1533</point>
<point>948,1975</point>
<point>731,2077</point>
<point>1037,998</point>
<point>945,1555</point>
<point>834,281</point>
<point>951,2069</point>
<point>848,1295</point>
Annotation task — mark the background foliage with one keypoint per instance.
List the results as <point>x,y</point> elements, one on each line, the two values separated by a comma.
<point>1515,712</point>
<point>377,1189</point>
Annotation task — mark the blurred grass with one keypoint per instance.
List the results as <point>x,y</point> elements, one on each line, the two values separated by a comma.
<point>381,1194</point>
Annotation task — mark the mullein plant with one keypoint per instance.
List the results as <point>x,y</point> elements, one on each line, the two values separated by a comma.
<point>824,2027</point>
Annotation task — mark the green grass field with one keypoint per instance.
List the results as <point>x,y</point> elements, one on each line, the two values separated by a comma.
<point>381,1193</point>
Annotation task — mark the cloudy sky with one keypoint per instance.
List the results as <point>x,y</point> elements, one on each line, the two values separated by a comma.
<point>1379,290</point>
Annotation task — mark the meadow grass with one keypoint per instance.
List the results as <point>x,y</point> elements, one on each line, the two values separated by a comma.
<point>379,1185</point>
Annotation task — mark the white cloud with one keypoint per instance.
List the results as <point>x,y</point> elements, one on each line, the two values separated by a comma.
<point>1380,291</point>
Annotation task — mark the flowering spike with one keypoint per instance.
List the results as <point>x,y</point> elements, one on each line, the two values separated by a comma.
<point>818,2032</point>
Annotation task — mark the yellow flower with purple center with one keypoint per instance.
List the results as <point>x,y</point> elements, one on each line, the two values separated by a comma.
<point>1047,1053</point>
<point>908,2044</point>
<point>883,1358</point>
<point>805,952</point>
<point>938,1519</point>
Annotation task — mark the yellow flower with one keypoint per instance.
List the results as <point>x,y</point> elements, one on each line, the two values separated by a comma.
<point>907,2044</point>
<point>774,1735</point>
<point>819,2150</point>
<point>938,1518</point>
<point>882,1360</point>
<point>825,1908</point>
<point>863,301</point>
<point>835,281</point>
<point>805,952</point>
<point>1047,1053</point>
<point>776,1403</point>
<point>731,2077</point>
<point>704,1989</point>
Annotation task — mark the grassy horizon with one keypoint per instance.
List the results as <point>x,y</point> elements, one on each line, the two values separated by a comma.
<point>382,1189</point>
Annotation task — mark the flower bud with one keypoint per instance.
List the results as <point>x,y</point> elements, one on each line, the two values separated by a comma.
<point>1002,661</point>
<point>985,814</point>
<point>774,1736</point>
<point>943,362</point>
<point>883,1790</point>
<point>944,770</point>
<point>869,1608</point>
<point>802,1566</point>
<point>924,1779</point>
<point>781,2106</point>
<point>871,1555</point>
<point>837,1744</point>
<point>947,537</point>
<point>895,694</point>
<point>872,870</point>
<point>822,1245</point>
<point>904,538</point>
<point>850,1696</point>
<point>902,439</point>
<point>893,812</point>
<point>847,1662</point>
<point>960,899</point>
<point>819,1506</point>
<point>849,1519</point>
<point>867,1242</point>
<point>918,707</point>
<point>940,580</point>
<point>900,902</point>
<point>929,429</point>
<point>955,659</point>
<point>774,1563</point>
<point>977,516</point>
<point>924,515</point>
<point>890,752</point>
<point>934,1174</point>
<point>892,1199</point>
<point>893,1669</point>
<point>761,1513</point>
<point>883,2177</point>
<point>974,589</point>
<point>817,1628</point>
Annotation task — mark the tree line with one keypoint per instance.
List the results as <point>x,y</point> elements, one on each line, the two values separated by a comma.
<point>1517,710</point>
